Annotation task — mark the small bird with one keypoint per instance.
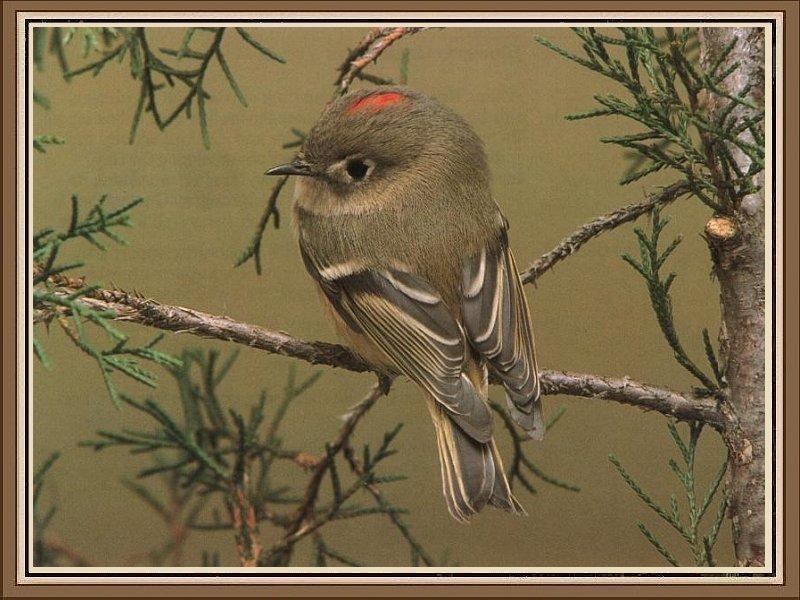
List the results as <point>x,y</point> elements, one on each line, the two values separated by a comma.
<point>397,226</point>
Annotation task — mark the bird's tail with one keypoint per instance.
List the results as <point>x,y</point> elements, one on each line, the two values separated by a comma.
<point>472,472</point>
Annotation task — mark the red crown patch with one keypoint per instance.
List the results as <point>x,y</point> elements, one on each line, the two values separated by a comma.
<point>376,102</point>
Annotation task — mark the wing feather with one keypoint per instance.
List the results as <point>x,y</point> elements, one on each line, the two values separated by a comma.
<point>497,324</point>
<point>409,321</point>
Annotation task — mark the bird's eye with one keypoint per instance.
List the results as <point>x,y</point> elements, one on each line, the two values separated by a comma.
<point>357,169</point>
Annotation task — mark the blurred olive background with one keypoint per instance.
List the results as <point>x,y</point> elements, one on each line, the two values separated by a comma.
<point>590,314</point>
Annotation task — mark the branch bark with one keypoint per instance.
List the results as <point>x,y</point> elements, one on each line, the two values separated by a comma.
<point>177,319</point>
<point>737,251</point>
<point>633,393</point>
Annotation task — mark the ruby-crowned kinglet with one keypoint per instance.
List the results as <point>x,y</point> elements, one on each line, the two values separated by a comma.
<point>398,227</point>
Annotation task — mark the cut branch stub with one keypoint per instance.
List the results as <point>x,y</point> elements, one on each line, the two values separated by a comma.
<point>720,229</point>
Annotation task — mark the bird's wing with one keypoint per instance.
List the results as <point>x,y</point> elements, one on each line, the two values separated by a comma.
<point>498,325</point>
<point>408,320</point>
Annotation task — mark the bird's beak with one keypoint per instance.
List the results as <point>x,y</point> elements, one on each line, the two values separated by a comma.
<point>296,167</point>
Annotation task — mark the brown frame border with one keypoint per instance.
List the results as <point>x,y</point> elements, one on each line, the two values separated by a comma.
<point>791,452</point>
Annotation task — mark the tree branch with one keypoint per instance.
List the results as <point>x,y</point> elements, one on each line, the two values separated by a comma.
<point>573,242</point>
<point>367,51</point>
<point>627,391</point>
<point>145,311</point>
<point>177,319</point>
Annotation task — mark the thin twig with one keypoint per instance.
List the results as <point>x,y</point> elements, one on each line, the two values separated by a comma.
<point>367,51</point>
<point>245,526</point>
<point>573,242</point>
<point>270,211</point>
<point>393,516</point>
<point>303,523</point>
<point>73,556</point>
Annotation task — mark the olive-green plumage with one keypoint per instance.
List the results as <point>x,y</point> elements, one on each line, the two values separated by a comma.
<point>398,226</point>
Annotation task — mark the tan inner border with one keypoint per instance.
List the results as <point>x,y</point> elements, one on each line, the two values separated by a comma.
<point>790,11</point>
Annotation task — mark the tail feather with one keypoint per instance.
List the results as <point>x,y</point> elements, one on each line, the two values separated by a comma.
<point>472,472</point>
<point>502,497</point>
<point>532,421</point>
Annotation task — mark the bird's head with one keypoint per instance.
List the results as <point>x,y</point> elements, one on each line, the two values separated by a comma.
<point>373,139</point>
